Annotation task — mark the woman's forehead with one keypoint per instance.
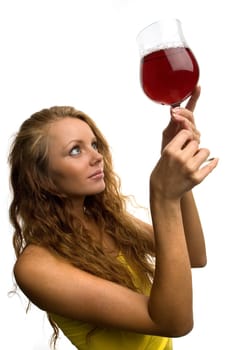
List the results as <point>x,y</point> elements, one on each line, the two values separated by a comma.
<point>63,130</point>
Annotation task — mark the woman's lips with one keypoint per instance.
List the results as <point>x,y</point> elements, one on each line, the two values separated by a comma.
<point>99,174</point>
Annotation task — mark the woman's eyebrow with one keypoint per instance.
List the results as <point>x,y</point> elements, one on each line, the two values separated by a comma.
<point>78,141</point>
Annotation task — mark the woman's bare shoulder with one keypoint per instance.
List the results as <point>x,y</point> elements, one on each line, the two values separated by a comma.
<point>34,265</point>
<point>31,256</point>
<point>38,263</point>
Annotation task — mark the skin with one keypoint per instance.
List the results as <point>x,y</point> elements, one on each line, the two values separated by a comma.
<point>55,286</point>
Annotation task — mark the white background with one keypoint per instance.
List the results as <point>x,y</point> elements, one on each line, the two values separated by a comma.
<point>84,53</point>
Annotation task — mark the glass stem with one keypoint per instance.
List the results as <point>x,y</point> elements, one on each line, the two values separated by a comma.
<point>174,105</point>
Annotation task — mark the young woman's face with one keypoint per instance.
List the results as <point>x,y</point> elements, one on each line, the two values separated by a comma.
<point>75,165</point>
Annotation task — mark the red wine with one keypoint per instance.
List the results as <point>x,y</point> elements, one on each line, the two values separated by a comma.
<point>169,76</point>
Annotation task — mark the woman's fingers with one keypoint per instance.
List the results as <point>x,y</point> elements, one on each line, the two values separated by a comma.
<point>180,140</point>
<point>200,167</point>
<point>193,99</point>
<point>184,113</point>
<point>185,119</point>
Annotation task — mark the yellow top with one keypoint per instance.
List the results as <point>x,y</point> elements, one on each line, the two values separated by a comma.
<point>109,339</point>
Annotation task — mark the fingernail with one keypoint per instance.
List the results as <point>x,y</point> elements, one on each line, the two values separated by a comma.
<point>209,159</point>
<point>176,109</point>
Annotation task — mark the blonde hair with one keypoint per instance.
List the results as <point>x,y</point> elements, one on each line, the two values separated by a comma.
<point>37,208</point>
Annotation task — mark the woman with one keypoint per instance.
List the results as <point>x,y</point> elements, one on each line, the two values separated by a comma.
<point>81,256</point>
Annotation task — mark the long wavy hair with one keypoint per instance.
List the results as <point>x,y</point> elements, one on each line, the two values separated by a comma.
<point>38,209</point>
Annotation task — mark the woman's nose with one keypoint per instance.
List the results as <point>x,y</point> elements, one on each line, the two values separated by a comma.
<point>95,156</point>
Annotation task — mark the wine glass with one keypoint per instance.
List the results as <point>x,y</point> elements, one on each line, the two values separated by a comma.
<point>169,70</point>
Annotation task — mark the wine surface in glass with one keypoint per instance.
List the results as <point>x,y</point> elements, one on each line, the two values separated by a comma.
<point>169,76</point>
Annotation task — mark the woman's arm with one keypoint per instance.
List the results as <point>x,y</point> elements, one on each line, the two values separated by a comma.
<point>171,295</point>
<point>193,231</point>
<point>60,288</point>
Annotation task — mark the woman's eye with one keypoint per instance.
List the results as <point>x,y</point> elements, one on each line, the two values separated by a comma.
<point>95,145</point>
<point>75,151</point>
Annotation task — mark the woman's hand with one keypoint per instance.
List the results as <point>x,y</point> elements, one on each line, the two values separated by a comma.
<point>182,118</point>
<point>180,167</point>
